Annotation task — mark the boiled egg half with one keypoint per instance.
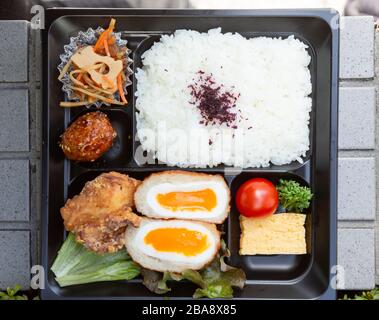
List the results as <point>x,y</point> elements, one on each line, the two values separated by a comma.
<point>172,245</point>
<point>184,195</point>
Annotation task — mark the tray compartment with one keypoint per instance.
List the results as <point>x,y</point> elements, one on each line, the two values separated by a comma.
<point>267,267</point>
<point>120,154</point>
<point>149,41</point>
<point>118,288</point>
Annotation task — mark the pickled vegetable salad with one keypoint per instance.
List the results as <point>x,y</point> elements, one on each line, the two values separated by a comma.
<point>97,72</point>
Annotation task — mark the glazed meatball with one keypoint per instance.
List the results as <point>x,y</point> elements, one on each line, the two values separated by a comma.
<point>88,137</point>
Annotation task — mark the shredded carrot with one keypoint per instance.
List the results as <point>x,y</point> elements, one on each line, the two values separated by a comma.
<point>79,77</point>
<point>105,35</point>
<point>106,48</point>
<point>120,89</point>
<point>112,40</point>
<point>100,41</point>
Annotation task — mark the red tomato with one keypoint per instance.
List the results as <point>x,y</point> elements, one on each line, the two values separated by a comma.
<point>256,198</point>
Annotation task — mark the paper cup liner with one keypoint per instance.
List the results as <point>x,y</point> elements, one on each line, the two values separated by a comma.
<point>83,39</point>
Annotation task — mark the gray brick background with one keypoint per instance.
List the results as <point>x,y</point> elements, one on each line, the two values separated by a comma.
<point>20,146</point>
<point>20,140</point>
<point>357,183</point>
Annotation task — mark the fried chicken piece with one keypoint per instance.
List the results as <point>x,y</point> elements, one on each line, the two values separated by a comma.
<point>108,235</point>
<point>99,215</point>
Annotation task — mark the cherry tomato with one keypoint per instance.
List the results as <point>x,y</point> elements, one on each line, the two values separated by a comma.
<point>256,198</point>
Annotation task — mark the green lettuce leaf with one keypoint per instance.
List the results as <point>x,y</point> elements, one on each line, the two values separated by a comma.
<point>154,281</point>
<point>215,281</point>
<point>77,265</point>
<point>220,278</point>
<point>195,277</point>
<point>215,289</point>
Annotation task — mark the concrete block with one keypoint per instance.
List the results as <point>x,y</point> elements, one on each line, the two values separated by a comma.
<point>14,259</point>
<point>14,120</point>
<point>357,47</point>
<point>356,258</point>
<point>356,129</point>
<point>356,189</point>
<point>14,51</point>
<point>14,186</point>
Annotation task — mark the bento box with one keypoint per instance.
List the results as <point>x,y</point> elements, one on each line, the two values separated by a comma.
<point>275,276</point>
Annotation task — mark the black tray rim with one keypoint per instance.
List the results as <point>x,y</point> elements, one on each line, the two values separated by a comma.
<point>328,15</point>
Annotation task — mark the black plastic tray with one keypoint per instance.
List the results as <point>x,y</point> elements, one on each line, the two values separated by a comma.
<point>268,277</point>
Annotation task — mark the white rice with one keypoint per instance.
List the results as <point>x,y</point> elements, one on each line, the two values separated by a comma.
<point>270,74</point>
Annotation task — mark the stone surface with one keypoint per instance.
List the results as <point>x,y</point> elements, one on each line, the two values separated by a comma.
<point>14,120</point>
<point>356,256</point>
<point>356,189</point>
<point>356,129</point>
<point>14,258</point>
<point>357,47</point>
<point>14,186</point>
<point>14,51</point>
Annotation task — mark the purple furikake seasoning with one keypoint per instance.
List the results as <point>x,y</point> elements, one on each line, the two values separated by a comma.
<point>213,101</point>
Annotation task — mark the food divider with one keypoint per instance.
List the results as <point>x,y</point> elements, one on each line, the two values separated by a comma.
<point>268,277</point>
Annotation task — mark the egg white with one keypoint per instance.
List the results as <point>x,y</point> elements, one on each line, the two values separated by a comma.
<point>163,188</point>
<point>149,250</point>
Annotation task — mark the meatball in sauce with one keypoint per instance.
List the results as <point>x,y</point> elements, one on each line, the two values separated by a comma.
<point>88,137</point>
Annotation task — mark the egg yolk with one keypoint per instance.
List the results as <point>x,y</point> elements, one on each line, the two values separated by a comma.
<point>178,240</point>
<point>204,200</point>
